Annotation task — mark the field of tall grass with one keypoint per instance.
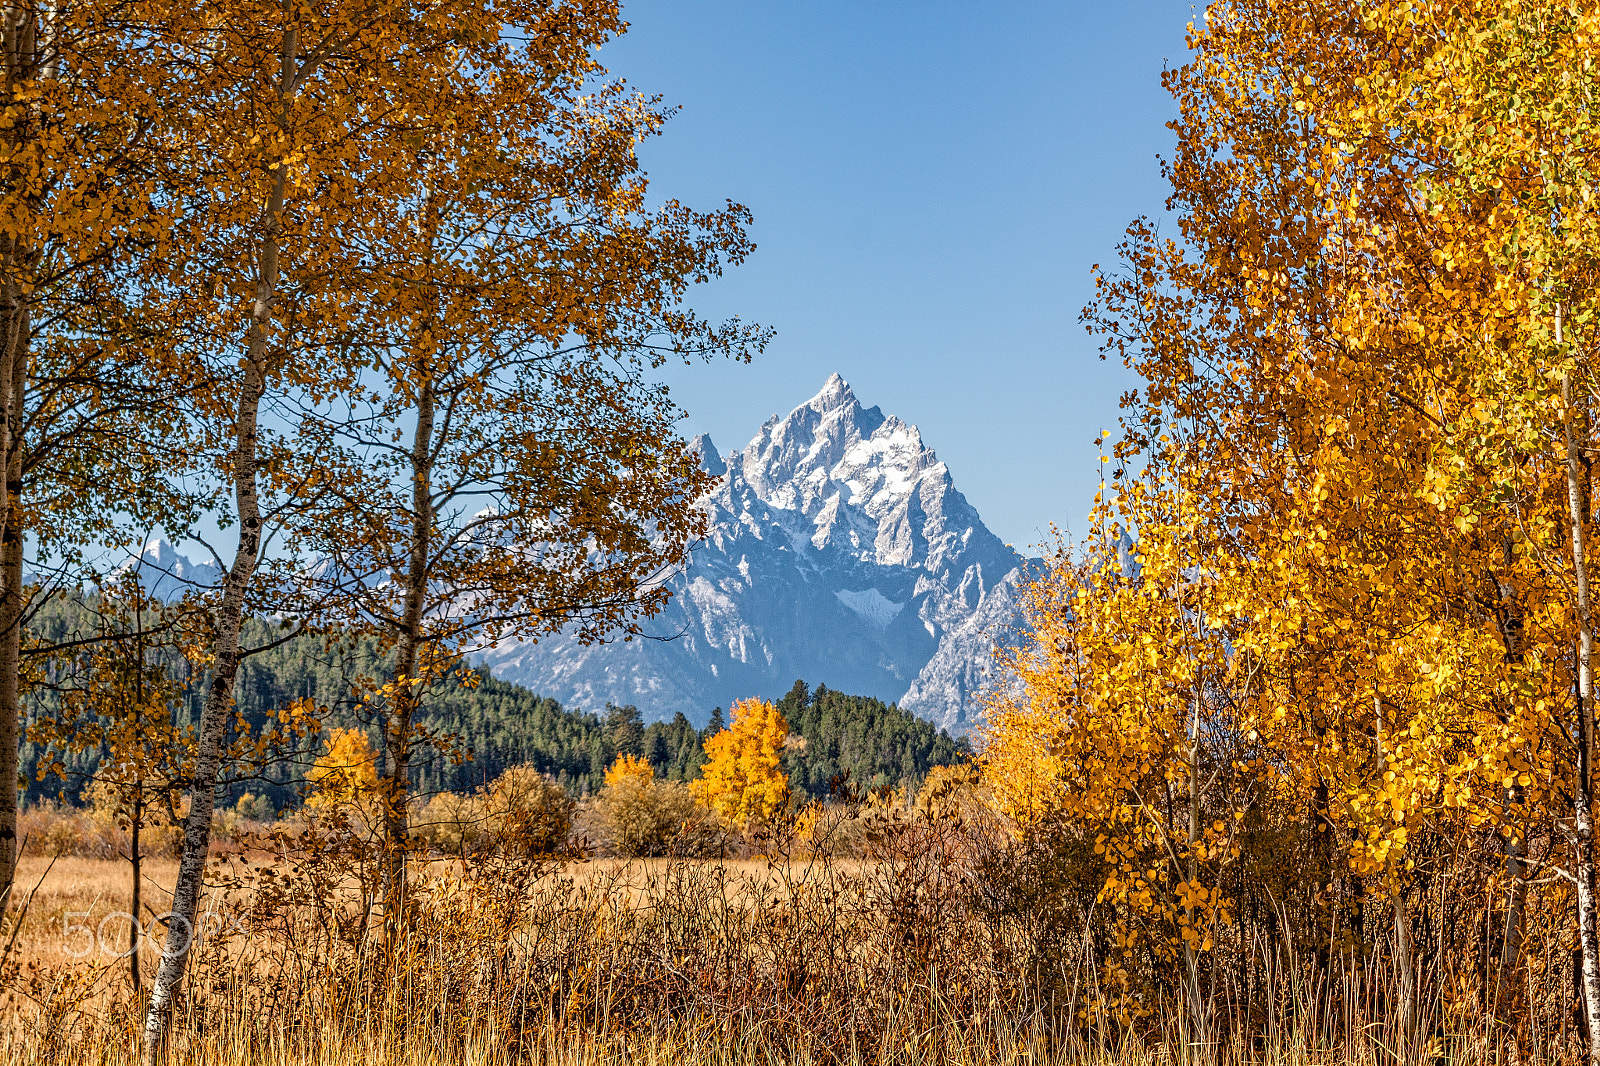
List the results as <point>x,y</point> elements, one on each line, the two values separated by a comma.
<point>941,942</point>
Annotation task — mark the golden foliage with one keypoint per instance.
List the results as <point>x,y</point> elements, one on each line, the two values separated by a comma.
<point>451,822</point>
<point>629,769</point>
<point>523,813</point>
<point>346,775</point>
<point>950,791</point>
<point>742,781</point>
<point>351,220</point>
<point>1338,571</point>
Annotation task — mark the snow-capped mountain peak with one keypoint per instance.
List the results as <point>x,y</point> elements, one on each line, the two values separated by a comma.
<point>835,392</point>
<point>864,483</point>
<point>165,574</point>
<point>840,552</point>
<point>707,453</point>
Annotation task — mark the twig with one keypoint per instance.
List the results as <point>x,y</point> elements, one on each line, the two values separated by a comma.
<point>23,914</point>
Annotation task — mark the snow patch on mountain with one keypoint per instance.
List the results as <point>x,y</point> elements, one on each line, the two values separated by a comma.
<point>870,604</point>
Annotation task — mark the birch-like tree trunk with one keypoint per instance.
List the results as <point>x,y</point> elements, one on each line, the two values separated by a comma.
<point>12,603</point>
<point>1511,938</point>
<point>19,39</point>
<point>228,617</point>
<point>408,680</point>
<point>1405,970</point>
<point>1582,812</point>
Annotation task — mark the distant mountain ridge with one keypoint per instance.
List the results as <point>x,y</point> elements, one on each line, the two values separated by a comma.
<point>857,738</point>
<point>839,550</point>
<point>166,575</point>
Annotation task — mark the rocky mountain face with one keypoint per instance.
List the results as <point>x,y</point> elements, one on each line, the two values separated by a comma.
<point>840,552</point>
<point>165,574</point>
<point>960,668</point>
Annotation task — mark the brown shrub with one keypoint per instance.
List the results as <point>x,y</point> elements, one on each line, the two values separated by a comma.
<point>640,816</point>
<point>522,813</point>
<point>451,822</point>
<point>527,813</point>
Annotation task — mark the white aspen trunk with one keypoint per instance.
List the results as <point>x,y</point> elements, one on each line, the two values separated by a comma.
<point>1405,971</point>
<point>406,675</point>
<point>18,43</point>
<point>1511,937</point>
<point>12,604</point>
<point>1404,968</point>
<point>1582,812</point>
<point>227,619</point>
<point>1191,959</point>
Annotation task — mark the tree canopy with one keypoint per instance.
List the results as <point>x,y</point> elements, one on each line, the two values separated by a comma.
<point>1358,473</point>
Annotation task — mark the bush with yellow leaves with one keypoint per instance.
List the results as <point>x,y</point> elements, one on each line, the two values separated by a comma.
<point>952,792</point>
<point>642,816</point>
<point>112,810</point>
<point>451,822</point>
<point>523,814</point>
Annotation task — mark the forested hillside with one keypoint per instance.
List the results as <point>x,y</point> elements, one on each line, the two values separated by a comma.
<point>875,743</point>
<point>483,725</point>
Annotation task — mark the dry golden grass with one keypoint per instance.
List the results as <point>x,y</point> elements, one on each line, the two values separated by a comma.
<point>780,873</point>
<point>79,1004</point>
<point>748,962</point>
<point>69,894</point>
<point>77,906</point>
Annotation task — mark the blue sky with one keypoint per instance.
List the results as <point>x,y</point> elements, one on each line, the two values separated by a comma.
<point>931,184</point>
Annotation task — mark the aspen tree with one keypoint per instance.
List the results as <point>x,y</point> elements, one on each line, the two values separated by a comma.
<point>346,775</point>
<point>1273,364</point>
<point>120,700</point>
<point>81,416</point>
<point>506,468</point>
<point>118,693</point>
<point>1509,100</point>
<point>284,131</point>
<point>1317,428</point>
<point>1131,723</point>
<point>743,779</point>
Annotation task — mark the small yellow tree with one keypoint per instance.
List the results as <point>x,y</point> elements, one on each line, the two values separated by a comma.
<point>629,769</point>
<point>742,781</point>
<point>346,775</point>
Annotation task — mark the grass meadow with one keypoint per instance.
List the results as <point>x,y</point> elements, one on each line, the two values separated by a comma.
<point>925,950</point>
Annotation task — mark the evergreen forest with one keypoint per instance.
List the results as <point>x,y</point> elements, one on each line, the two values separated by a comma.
<point>481,725</point>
